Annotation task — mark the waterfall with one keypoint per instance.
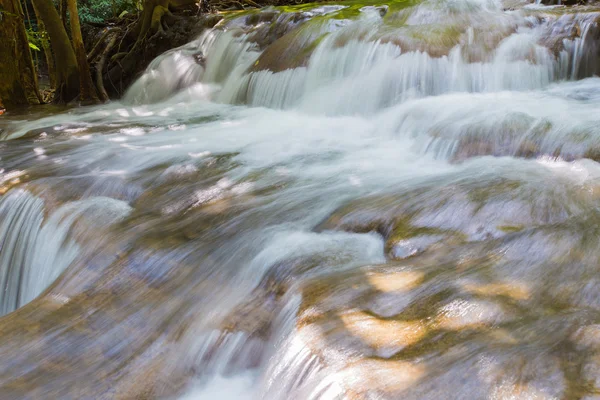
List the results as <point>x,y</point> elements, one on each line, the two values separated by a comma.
<point>35,250</point>
<point>22,215</point>
<point>230,55</point>
<point>366,64</point>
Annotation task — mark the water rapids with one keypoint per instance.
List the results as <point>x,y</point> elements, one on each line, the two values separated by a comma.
<point>328,201</point>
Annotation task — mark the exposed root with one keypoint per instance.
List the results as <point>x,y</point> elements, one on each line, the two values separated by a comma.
<point>252,3</point>
<point>99,44</point>
<point>162,25</point>
<point>128,30</point>
<point>100,67</point>
<point>157,16</point>
<point>118,56</point>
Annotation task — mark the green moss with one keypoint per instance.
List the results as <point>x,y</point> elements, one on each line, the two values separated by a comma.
<point>295,47</point>
<point>435,341</point>
<point>350,10</point>
<point>481,195</point>
<point>292,49</point>
<point>402,230</point>
<point>510,228</point>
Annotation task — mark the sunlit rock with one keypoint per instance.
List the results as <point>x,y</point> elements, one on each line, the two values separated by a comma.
<point>514,290</point>
<point>389,377</point>
<point>383,334</point>
<point>396,281</point>
<point>470,314</point>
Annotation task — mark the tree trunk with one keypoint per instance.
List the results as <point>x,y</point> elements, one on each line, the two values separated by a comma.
<point>48,55</point>
<point>36,62</point>
<point>87,89</point>
<point>18,82</point>
<point>47,50</point>
<point>67,73</point>
<point>63,13</point>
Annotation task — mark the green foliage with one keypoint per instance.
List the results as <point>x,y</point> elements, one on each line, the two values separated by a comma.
<point>36,39</point>
<point>7,14</point>
<point>98,11</point>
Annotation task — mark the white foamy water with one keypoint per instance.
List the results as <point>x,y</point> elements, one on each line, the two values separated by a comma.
<point>34,254</point>
<point>239,387</point>
<point>272,154</point>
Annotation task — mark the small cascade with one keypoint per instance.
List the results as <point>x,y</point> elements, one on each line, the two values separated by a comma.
<point>460,126</point>
<point>21,218</point>
<point>189,65</point>
<point>35,250</point>
<point>369,61</point>
<point>583,47</point>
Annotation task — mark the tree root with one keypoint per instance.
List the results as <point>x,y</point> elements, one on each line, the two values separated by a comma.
<point>118,56</point>
<point>228,5</point>
<point>100,66</point>
<point>157,15</point>
<point>252,3</point>
<point>98,46</point>
<point>133,24</point>
<point>141,40</point>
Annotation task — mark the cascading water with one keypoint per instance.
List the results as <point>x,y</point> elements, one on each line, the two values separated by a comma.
<point>392,200</point>
<point>33,256</point>
<point>21,220</point>
<point>387,64</point>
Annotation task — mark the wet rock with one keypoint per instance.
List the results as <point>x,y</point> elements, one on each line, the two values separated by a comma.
<point>587,337</point>
<point>474,209</point>
<point>433,352</point>
<point>530,149</point>
<point>262,16</point>
<point>10,179</point>
<point>468,148</point>
<point>470,314</point>
<point>403,248</point>
<point>392,219</point>
<point>385,336</point>
<point>514,290</point>
<point>538,378</point>
<point>388,377</point>
<point>272,26</point>
<point>396,281</point>
<point>254,317</point>
<point>593,153</point>
<point>291,50</point>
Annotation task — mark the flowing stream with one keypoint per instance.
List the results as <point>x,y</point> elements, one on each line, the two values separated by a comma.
<point>328,201</point>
